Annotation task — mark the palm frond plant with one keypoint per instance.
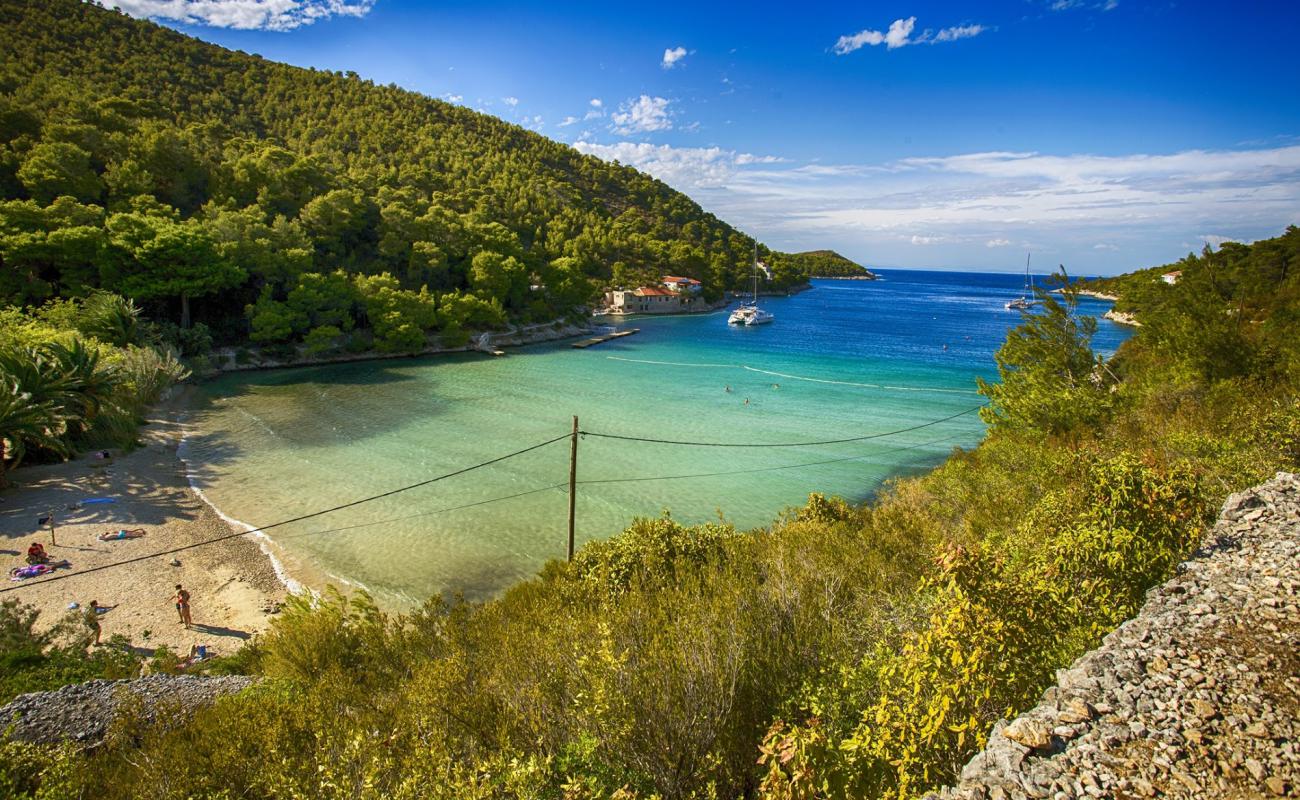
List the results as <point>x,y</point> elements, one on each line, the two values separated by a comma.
<point>114,320</point>
<point>25,424</point>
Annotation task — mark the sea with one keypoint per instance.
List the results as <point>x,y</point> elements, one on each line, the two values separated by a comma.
<point>856,382</point>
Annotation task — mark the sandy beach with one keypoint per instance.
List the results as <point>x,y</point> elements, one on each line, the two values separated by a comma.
<point>232,583</point>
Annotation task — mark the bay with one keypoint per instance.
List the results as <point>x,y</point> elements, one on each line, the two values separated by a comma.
<point>845,359</point>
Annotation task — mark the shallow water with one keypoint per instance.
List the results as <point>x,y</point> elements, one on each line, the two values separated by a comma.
<point>847,359</point>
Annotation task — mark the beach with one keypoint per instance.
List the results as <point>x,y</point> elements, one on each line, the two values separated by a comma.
<point>233,584</point>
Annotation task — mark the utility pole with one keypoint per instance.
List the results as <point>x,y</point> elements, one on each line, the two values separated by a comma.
<point>53,523</point>
<point>573,480</point>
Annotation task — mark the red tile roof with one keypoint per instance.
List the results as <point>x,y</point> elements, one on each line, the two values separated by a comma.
<point>651,291</point>
<point>676,279</point>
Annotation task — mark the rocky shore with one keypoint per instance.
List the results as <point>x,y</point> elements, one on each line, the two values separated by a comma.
<point>230,359</point>
<point>1198,696</point>
<point>83,712</point>
<point>1121,317</point>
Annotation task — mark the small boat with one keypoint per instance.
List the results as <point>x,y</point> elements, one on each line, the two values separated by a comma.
<point>1025,301</point>
<point>749,313</point>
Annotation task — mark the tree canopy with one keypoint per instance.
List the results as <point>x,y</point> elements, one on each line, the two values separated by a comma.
<point>140,161</point>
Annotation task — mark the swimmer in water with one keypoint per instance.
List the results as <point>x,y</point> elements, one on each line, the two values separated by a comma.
<point>727,390</point>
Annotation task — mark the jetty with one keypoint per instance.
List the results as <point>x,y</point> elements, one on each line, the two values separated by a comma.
<point>604,337</point>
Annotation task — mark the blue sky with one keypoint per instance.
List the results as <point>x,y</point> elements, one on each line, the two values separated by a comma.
<point>1102,134</point>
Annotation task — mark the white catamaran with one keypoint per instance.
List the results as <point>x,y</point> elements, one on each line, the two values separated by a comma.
<point>749,313</point>
<point>1026,300</point>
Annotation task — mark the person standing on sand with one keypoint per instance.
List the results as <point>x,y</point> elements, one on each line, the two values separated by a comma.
<point>92,619</point>
<point>182,600</point>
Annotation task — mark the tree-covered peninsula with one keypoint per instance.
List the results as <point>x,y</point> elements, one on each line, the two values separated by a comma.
<point>826,264</point>
<point>279,204</point>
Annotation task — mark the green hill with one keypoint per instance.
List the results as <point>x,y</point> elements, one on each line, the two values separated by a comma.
<point>826,264</point>
<point>145,162</point>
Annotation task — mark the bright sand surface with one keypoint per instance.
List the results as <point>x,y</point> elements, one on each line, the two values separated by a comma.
<point>230,583</point>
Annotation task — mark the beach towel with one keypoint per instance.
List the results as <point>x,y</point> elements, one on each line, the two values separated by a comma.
<point>109,536</point>
<point>36,570</point>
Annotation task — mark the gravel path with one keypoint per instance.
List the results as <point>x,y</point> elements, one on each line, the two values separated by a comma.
<point>83,712</point>
<point>1196,697</point>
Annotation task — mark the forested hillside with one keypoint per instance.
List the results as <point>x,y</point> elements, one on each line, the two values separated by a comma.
<point>1249,282</point>
<point>825,264</point>
<point>289,204</point>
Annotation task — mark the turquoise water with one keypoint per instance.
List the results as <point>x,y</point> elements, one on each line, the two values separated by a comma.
<point>846,359</point>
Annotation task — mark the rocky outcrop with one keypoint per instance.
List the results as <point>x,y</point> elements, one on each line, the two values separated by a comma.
<point>1121,317</point>
<point>83,712</point>
<point>1196,697</point>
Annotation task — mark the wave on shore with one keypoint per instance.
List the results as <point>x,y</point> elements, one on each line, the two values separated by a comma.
<point>263,541</point>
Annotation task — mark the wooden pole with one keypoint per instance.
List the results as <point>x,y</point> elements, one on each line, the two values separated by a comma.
<point>573,481</point>
<point>53,523</point>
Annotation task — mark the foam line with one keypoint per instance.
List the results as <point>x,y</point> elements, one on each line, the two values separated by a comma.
<point>674,363</point>
<point>863,385</point>
<point>263,541</point>
<point>794,377</point>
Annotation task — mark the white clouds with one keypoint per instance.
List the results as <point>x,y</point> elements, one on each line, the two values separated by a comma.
<point>567,121</point>
<point>273,15</point>
<point>899,30</point>
<point>1069,5</point>
<point>510,101</point>
<point>959,32</point>
<point>1214,240</point>
<point>683,167</point>
<point>643,115</point>
<point>452,98</point>
<point>596,102</point>
<point>1080,209</point>
<point>672,56</point>
<point>900,35</point>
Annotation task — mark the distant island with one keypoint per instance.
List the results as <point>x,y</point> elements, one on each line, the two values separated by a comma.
<point>828,264</point>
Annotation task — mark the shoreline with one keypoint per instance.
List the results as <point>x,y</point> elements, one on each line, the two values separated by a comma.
<point>290,583</point>
<point>237,583</point>
<point>226,359</point>
<point>1090,293</point>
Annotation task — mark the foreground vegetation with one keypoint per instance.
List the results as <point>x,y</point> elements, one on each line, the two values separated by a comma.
<point>76,375</point>
<point>298,206</point>
<point>843,652</point>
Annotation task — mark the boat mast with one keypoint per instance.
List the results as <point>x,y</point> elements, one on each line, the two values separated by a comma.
<point>755,273</point>
<point>1029,282</point>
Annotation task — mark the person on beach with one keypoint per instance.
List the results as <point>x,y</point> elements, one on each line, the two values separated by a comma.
<point>36,554</point>
<point>182,600</point>
<point>129,533</point>
<point>92,619</point>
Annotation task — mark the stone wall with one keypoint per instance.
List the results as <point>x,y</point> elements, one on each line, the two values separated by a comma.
<point>1197,696</point>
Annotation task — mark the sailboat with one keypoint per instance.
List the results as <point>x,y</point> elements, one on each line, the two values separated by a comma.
<point>1024,301</point>
<point>749,313</point>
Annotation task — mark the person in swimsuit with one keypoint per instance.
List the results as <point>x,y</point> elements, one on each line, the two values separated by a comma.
<point>36,554</point>
<point>92,619</point>
<point>182,600</point>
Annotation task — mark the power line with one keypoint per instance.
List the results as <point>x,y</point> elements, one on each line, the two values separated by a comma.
<point>299,518</point>
<point>561,485</point>
<point>428,513</point>
<point>760,469</point>
<point>399,490</point>
<point>780,444</point>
